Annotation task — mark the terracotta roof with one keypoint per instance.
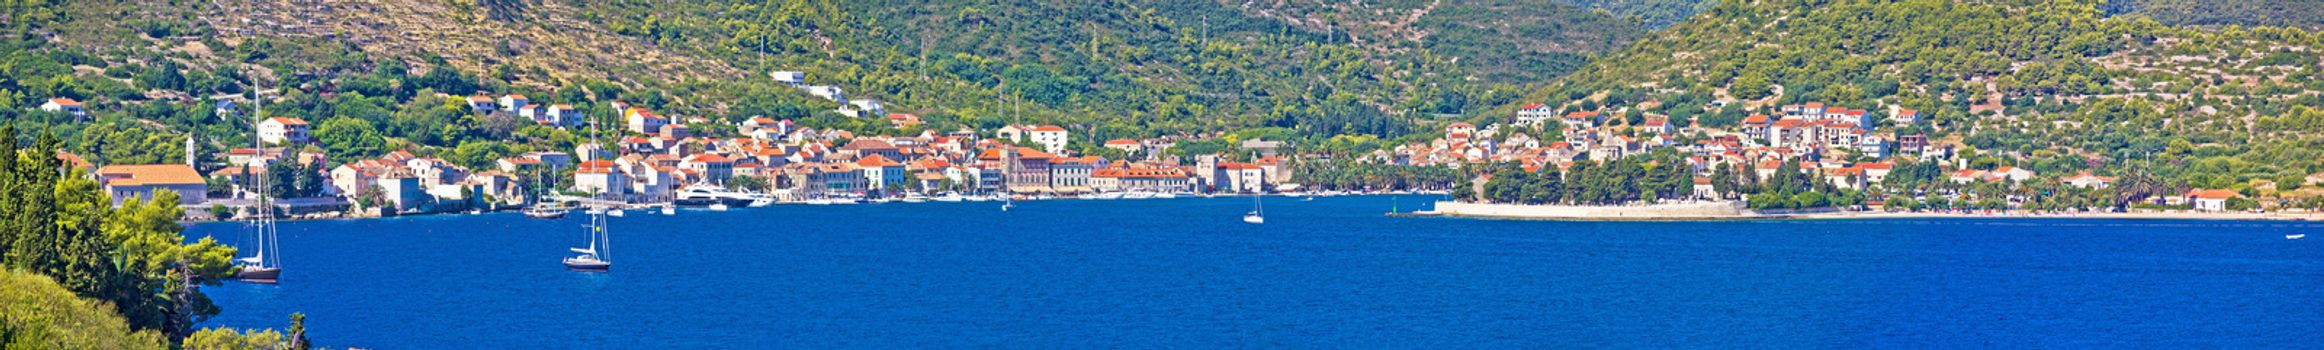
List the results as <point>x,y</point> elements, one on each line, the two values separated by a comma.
<point>288,121</point>
<point>1048,128</point>
<point>65,102</point>
<point>708,158</point>
<point>150,174</point>
<point>876,161</point>
<point>74,160</point>
<point>1121,142</point>
<point>2214,194</point>
<point>1531,106</point>
<point>868,144</point>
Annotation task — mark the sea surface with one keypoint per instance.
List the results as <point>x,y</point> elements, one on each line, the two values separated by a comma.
<point>1327,273</point>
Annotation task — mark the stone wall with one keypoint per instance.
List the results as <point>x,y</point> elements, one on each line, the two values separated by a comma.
<point>1669,211</point>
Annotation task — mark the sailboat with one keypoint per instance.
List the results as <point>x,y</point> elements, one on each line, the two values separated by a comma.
<point>1257,211</point>
<point>264,265</point>
<point>593,257</point>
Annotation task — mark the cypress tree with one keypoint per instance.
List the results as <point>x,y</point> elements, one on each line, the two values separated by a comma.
<point>9,231</point>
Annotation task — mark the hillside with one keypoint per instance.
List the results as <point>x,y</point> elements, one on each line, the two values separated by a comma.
<point>1652,13</point>
<point>1111,69</point>
<point>2293,13</point>
<point>2031,81</point>
<point>1502,41</point>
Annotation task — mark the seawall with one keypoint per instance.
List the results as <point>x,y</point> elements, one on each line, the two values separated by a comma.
<point>1665,211</point>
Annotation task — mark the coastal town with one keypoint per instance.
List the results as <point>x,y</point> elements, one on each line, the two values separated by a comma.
<point>646,158</point>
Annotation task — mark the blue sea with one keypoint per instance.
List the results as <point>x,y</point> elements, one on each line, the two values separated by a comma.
<point>1327,273</point>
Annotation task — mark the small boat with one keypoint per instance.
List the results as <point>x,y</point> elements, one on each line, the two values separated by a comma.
<point>915,197</point>
<point>548,213</point>
<point>614,212</point>
<point>2296,236</point>
<point>717,206</point>
<point>669,210</point>
<point>949,197</point>
<point>1255,217</point>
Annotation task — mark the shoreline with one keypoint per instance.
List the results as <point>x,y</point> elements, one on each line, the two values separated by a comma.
<point>2291,217</point>
<point>1719,211</point>
<point>650,206</point>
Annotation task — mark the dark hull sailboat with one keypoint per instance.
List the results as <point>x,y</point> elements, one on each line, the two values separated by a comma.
<point>266,275</point>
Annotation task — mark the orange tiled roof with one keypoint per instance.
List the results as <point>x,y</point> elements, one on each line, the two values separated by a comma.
<point>876,161</point>
<point>2214,194</point>
<point>150,174</point>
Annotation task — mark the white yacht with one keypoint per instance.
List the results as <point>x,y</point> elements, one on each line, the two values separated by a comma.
<point>706,194</point>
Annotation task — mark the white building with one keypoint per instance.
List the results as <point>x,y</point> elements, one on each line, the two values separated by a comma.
<point>791,78</point>
<point>602,178</point>
<point>280,130</point>
<point>64,105</point>
<point>1051,138</point>
<point>141,181</point>
<point>514,102</point>
<point>1534,114</point>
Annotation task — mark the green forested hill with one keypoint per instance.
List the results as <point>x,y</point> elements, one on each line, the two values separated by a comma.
<point>2295,13</point>
<point>2053,85</point>
<point>1176,65</point>
<point>1652,13</point>
<point>1108,68</point>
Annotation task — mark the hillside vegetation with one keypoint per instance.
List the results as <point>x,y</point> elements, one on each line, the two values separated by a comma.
<point>2051,85</point>
<point>387,73</point>
<point>2294,13</point>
